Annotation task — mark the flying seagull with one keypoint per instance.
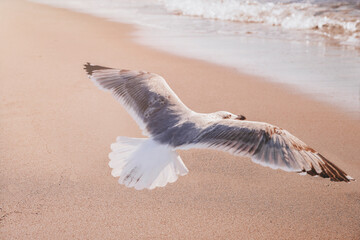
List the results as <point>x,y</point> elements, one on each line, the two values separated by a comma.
<point>170,125</point>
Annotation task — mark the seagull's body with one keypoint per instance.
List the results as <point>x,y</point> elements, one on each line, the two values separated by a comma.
<point>169,125</point>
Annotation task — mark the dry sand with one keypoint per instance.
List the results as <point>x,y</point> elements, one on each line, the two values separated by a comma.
<point>56,128</point>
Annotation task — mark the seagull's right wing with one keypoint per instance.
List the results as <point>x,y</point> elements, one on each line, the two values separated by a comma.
<point>146,96</point>
<point>267,145</point>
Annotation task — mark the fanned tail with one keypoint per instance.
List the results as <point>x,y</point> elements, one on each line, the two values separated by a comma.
<point>143,163</point>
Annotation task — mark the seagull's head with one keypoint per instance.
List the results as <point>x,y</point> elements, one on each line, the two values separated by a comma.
<point>228,115</point>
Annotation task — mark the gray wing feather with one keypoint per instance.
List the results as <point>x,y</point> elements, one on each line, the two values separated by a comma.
<point>146,96</point>
<point>267,145</point>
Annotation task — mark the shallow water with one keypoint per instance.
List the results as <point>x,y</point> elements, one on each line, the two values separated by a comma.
<point>325,67</point>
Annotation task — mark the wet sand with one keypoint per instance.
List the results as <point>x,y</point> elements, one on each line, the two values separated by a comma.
<point>56,128</point>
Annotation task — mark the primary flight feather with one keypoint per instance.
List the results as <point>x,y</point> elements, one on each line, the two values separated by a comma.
<point>169,125</point>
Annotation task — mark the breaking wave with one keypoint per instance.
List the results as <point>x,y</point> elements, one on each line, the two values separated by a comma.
<point>339,20</point>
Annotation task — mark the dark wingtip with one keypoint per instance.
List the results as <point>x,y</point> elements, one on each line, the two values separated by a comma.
<point>329,170</point>
<point>333,172</point>
<point>89,68</point>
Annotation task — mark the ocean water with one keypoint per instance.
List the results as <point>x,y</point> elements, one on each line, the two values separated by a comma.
<point>337,20</point>
<point>312,46</point>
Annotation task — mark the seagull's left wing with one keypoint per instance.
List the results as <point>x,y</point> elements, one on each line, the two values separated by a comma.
<point>267,145</point>
<point>146,96</point>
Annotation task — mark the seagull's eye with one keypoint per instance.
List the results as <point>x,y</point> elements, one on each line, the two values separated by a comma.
<point>227,116</point>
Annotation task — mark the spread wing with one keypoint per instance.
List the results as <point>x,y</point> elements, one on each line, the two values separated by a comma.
<point>266,145</point>
<point>146,96</point>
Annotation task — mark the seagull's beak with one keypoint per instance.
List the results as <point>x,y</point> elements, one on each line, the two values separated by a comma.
<point>240,117</point>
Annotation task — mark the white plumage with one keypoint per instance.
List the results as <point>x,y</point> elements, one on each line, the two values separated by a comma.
<point>169,125</point>
<point>143,163</point>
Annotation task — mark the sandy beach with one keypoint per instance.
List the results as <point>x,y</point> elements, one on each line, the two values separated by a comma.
<point>56,129</point>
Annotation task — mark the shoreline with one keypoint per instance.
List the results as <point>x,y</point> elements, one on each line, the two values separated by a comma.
<point>321,87</point>
<point>57,127</point>
<point>326,75</point>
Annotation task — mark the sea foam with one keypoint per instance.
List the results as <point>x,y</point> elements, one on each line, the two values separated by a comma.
<point>338,20</point>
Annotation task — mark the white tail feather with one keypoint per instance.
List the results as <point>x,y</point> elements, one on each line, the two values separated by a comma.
<point>143,163</point>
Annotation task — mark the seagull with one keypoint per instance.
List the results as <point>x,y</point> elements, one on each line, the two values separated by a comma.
<point>169,125</point>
